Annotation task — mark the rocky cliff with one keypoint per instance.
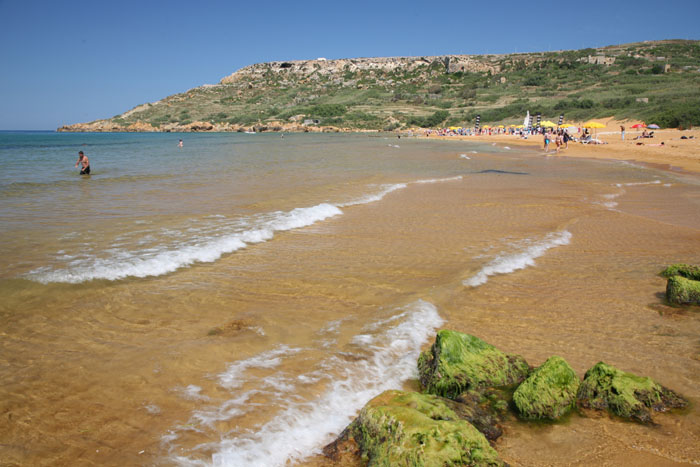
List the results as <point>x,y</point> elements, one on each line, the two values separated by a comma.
<point>651,80</point>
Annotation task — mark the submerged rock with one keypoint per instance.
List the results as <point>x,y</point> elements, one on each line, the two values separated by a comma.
<point>627,395</point>
<point>549,392</point>
<point>683,291</point>
<point>683,270</point>
<point>400,428</point>
<point>459,362</point>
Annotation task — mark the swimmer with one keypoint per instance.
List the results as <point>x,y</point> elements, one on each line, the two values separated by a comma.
<point>85,163</point>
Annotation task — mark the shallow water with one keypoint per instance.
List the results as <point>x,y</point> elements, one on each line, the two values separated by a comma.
<point>236,301</point>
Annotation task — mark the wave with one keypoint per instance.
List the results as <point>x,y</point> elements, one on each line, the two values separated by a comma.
<point>123,264</point>
<point>204,246</point>
<point>302,427</point>
<point>521,259</point>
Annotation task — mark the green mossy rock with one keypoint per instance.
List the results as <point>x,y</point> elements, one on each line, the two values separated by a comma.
<point>549,392</point>
<point>459,362</point>
<point>412,429</point>
<point>606,388</point>
<point>684,270</point>
<point>683,291</point>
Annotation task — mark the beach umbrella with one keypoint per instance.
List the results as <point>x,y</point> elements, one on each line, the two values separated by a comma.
<point>566,125</point>
<point>594,125</point>
<point>501,126</point>
<point>639,125</point>
<point>548,124</point>
<point>654,126</point>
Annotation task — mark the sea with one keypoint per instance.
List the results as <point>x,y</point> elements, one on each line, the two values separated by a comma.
<point>237,300</point>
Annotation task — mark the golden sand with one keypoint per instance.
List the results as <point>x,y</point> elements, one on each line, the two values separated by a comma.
<point>674,154</point>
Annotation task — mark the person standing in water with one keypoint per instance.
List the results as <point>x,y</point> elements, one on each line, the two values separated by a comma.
<point>179,144</point>
<point>85,163</point>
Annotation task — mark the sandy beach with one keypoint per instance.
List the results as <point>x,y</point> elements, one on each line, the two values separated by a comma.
<point>675,154</point>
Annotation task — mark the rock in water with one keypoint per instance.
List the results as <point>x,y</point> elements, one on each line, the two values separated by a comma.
<point>549,392</point>
<point>459,362</point>
<point>682,291</point>
<point>627,395</point>
<point>399,428</point>
<point>684,270</point>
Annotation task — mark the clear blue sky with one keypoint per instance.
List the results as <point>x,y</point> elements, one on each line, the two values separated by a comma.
<point>76,61</point>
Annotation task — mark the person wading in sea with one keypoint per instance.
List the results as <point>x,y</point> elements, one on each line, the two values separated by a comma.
<point>82,159</point>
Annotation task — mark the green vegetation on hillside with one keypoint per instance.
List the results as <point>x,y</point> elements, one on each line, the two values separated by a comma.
<point>638,84</point>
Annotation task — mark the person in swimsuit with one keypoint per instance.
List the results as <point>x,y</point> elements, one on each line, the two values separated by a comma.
<point>85,163</point>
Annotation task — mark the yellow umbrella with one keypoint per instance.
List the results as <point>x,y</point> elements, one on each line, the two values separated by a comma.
<point>567,125</point>
<point>519,126</point>
<point>501,126</point>
<point>548,124</point>
<point>593,124</point>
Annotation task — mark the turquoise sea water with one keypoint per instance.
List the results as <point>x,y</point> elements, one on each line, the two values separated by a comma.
<point>147,197</point>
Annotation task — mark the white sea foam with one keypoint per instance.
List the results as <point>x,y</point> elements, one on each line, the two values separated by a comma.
<point>385,190</point>
<point>166,259</point>
<point>655,182</point>
<point>184,247</point>
<point>232,377</point>
<point>439,180</point>
<point>301,428</point>
<point>520,259</point>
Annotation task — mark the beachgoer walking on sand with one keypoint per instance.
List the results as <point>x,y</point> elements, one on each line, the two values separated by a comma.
<point>82,159</point>
<point>622,132</point>
<point>558,140</point>
<point>179,144</point>
<point>566,139</point>
<point>546,141</point>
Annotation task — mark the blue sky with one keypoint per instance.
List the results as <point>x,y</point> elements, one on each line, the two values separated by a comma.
<point>74,61</point>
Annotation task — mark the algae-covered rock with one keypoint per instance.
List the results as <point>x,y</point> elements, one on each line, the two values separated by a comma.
<point>399,428</point>
<point>684,270</point>
<point>549,392</point>
<point>606,388</point>
<point>485,409</point>
<point>683,291</point>
<point>459,362</point>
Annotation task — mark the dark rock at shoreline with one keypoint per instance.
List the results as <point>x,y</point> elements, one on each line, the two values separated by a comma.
<point>624,394</point>
<point>549,392</point>
<point>400,428</point>
<point>458,362</point>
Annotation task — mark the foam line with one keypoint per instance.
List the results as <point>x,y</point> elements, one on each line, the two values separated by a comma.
<point>520,260</point>
<point>302,428</point>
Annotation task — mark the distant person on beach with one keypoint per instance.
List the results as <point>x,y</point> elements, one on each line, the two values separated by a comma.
<point>546,141</point>
<point>85,163</point>
<point>179,144</point>
<point>622,132</point>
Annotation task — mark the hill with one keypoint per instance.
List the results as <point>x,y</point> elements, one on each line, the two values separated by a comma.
<point>655,81</point>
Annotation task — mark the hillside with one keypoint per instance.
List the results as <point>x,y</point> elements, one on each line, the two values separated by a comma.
<point>655,81</point>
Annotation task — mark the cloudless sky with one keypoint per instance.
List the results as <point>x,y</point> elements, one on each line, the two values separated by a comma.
<point>77,61</point>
